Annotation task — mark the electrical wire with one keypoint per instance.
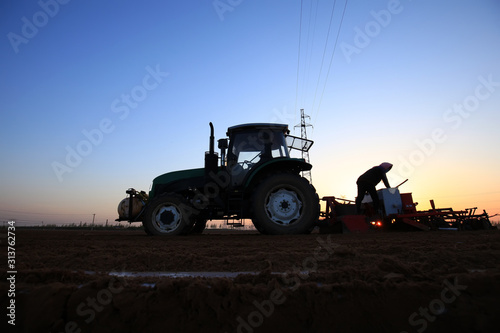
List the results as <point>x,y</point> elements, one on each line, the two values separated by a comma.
<point>308,57</point>
<point>331,60</point>
<point>298,59</point>
<point>309,48</point>
<point>324,53</point>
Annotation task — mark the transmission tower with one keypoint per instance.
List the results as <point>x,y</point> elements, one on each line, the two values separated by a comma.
<point>303,135</point>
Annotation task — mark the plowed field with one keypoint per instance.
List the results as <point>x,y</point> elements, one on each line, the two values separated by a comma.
<point>219,281</point>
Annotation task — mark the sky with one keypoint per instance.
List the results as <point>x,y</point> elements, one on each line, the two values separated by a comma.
<point>98,97</point>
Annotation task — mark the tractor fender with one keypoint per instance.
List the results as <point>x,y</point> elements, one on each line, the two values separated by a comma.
<point>294,165</point>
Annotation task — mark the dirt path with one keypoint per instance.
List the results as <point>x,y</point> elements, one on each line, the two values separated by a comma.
<point>386,282</point>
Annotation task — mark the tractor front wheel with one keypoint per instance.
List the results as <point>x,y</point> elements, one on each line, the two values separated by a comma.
<point>168,215</point>
<point>285,203</point>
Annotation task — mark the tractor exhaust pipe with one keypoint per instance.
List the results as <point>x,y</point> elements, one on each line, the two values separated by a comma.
<point>212,138</point>
<point>211,157</point>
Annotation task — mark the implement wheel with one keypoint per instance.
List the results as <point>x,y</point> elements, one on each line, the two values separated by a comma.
<point>168,215</point>
<point>285,203</point>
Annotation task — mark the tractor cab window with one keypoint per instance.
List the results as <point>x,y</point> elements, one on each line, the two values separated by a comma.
<point>249,148</point>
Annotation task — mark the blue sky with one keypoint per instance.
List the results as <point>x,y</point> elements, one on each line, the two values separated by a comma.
<point>131,86</point>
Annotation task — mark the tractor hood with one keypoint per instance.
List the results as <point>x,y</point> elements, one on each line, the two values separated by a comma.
<point>178,179</point>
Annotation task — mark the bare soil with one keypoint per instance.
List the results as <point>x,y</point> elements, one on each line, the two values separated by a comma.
<point>371,282</point>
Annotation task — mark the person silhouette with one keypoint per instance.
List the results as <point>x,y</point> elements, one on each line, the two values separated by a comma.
<point>367,182</point>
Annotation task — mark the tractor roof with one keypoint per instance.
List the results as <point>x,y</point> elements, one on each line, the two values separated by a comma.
<point>258,126</point>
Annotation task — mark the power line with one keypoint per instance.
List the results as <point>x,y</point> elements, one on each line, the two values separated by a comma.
<point>324,52</point>
<point>298,57</point>
<point>309,48</point>
<point>331,59</point>
<point>304,63</point>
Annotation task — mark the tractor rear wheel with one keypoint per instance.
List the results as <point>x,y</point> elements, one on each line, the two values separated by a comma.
<point>285,203</point>
<point>169,214</point>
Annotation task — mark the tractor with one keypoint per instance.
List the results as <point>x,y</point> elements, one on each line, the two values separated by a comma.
<point>253,178</point>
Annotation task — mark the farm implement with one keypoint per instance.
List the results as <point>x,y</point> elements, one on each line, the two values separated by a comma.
<point>398,212</point>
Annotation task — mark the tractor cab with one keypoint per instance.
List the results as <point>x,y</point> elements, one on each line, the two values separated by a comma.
<point>251,145</point>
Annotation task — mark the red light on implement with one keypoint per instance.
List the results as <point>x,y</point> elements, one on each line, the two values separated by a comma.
<point>376,223</point>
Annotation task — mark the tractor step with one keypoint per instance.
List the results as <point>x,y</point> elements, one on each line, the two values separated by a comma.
<point>233,204</point>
